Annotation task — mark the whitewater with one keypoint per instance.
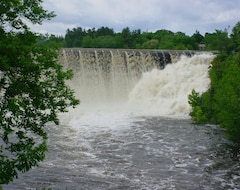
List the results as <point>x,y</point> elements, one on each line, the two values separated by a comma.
<point>132,130</point>
<point>155,93</point>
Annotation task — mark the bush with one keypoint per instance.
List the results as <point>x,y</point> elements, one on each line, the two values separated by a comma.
<point>221,103</point>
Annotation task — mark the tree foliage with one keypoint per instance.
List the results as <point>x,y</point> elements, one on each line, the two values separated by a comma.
<point>15,13</point>
<point>221,103</point>
<point>218,40</point>
<point>32,88</point>
<point>105,37</point>
<point>235,36</point>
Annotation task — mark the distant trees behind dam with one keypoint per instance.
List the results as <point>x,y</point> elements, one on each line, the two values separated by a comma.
<point>106,37</point>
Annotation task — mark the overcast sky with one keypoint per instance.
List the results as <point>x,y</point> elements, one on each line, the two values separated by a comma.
<point>148,15</point>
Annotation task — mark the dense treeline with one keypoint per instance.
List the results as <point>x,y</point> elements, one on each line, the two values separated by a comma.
<point>221,103</point>
<point>105,37</point>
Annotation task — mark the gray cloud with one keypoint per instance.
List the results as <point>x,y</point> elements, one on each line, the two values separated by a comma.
<point>148,15</point>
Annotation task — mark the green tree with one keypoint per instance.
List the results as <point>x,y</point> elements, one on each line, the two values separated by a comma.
<point>218,40</point>
<point>198,37</point>
<point>235,35</point>
<point>87,42</point>
<point>51,40</point>
<point>128,37</point>
<point>151,44</point>
<point>105,42</point>
<point>183,42</point>
<point>220,104</point>
<point>165,38</point>
<point>104,31</point>
<point>32,88</point>
<point>228,100</point>
<point>75,37</point>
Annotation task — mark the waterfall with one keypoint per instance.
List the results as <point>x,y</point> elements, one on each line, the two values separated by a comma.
<point>165,92</point>
<point>143,60</point>
<point>153,81</point>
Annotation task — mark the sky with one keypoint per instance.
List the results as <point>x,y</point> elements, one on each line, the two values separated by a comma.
<point>185,16</point>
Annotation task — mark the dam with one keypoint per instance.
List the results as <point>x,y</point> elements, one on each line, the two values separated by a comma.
<point>126,58</point>
<point>108,76</point>
<point>132,129</point>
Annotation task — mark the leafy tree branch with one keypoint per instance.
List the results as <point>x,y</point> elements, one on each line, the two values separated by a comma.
<point>32,88</point>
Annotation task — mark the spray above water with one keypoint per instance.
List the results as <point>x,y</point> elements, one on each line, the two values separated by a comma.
<point>165,92</point>
<point>134,82</point>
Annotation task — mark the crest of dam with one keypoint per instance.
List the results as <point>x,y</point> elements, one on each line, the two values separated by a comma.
<point>124,59</point>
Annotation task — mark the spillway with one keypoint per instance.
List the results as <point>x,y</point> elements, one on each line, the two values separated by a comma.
<point>155,80</point>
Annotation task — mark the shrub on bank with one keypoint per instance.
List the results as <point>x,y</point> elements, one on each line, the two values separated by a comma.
<point>221,103</point>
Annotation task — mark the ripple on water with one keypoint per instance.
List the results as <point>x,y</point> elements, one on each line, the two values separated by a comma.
<point>135,153</point>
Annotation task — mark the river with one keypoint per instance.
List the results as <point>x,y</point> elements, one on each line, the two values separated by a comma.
<point>139,138</point>
<point>115,151</point>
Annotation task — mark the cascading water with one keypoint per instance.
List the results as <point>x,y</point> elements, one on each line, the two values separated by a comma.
<point>109,73</point>
<point>165,92</point>
<point>138,82</point>
<point>119,138</point>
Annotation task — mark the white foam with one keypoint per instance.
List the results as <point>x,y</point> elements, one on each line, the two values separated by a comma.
<point>157,93</point>
<point>165,92</point>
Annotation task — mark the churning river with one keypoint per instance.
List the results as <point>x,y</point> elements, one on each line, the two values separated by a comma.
<point>136,138</point>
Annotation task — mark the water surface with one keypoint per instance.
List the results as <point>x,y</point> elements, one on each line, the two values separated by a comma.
<point>135,153</point>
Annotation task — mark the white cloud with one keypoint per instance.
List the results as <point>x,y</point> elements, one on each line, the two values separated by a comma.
<point>176,15</point>
<point>56,28</point>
